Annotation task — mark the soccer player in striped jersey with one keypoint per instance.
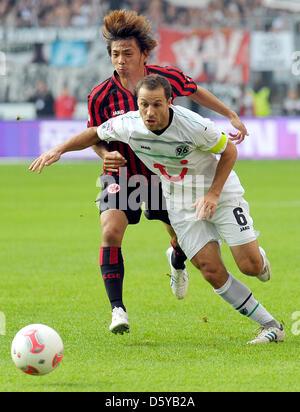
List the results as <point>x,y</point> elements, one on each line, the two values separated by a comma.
<point>129,43</point>
<point>204,195</point>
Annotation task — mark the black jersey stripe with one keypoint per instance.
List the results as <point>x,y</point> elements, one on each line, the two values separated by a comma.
<point>181,75</point>
<point>169,74</point>
<point>173,70</point>
<point>173,81</point>
<point>176,76</point>
<point>93,100</point>
<point>116,101</point>
<point>107,108</point>
<point>98,118</point>
<point>125,100</point>
<point>182,89</point>
<point>126,96</point>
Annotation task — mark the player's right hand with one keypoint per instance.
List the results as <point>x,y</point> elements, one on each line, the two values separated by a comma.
<point>112,161</point>
<point>46,159</point>
<point>205,206</point>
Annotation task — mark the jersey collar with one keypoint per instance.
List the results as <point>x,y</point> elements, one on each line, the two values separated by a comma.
<point>117,82</point>
<point>171,115</point>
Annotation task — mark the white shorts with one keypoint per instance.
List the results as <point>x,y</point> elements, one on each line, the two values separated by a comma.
<point>231,222</point>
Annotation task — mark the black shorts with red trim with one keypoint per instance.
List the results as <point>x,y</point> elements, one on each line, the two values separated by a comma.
<point>119,193</point>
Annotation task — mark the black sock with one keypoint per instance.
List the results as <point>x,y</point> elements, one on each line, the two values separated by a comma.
<point>178,257</point>
<point>112,269</point>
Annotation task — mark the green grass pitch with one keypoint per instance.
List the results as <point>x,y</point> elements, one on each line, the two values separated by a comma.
<point>49,244</point>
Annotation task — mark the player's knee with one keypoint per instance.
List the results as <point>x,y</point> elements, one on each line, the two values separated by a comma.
<point>209,269</point>
<point>111,235</point>
<point>252,266</point>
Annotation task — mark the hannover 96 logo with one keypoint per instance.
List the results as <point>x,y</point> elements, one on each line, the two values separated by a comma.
<point>182,150</point>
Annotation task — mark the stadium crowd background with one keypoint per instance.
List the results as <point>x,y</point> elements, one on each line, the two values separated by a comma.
<point>34,65</point>
<point>81,13</point>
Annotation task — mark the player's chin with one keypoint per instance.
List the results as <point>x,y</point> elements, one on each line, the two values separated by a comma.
<point>151,124</point>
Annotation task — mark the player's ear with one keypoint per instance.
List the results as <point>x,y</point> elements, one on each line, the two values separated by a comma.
<point>170,101</point>
<point>146,55</point>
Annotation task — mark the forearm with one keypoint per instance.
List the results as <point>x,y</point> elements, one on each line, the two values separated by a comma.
<point>210,101</point>
<point>225,166</point>
<point>80,141</point>
<point>100,149</point>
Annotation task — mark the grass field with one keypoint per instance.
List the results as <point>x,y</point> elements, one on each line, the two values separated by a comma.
<point>49,243</point>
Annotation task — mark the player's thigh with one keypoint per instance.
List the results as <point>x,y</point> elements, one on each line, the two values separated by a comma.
<point>114,223</point>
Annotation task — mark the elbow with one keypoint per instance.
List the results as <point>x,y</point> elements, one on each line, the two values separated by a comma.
<point>94,137</point>
<point>231,151</point>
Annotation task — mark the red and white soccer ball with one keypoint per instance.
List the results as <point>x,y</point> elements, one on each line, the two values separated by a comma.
<point>37,349</point>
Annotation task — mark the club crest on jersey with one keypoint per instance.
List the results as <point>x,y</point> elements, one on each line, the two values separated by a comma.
<point>113,188</point>
<point>182,150</point>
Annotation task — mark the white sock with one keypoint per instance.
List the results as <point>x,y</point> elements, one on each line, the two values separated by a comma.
<point>240,297</point>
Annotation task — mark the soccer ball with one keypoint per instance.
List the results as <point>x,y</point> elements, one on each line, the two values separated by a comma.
<point>37,349</point>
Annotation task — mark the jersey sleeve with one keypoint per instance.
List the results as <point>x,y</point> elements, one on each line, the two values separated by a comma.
<point>96,104</point>
<point>94,118</point>
<point>182,85</point>
<point>114,129</point>
<point>211,139</point>
<point>91,118</point>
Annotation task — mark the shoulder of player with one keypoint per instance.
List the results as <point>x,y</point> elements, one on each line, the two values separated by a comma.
<point>184,115</point>
<point>127,120</point>
<point>101,89</point>
<point>130,117</point>
<point>155,69</point>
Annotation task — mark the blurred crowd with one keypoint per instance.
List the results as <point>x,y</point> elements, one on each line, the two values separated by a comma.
<point>253,100</point>
<point>45,13</point>
<point>213,13</point>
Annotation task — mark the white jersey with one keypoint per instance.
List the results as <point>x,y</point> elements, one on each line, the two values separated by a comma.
<point>184,155</point>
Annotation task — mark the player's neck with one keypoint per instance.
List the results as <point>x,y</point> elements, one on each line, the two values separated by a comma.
<point>130,82</point>
<point>166,125</point>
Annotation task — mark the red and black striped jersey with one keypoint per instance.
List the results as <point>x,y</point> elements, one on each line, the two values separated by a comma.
<point>110,99</point>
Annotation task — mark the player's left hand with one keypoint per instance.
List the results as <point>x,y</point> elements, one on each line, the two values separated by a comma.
<point>205,206</point>
<point>242,132</point>
<point>46,159</point>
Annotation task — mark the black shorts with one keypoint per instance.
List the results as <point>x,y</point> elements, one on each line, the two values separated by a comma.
<point>118,193</point>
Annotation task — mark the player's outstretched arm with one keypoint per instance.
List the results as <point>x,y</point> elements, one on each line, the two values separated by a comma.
<point>80,141</point>
<point>208,100</point>
<point>46,159</point>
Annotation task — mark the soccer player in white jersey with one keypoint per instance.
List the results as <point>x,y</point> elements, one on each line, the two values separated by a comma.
<point>204,195</point>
